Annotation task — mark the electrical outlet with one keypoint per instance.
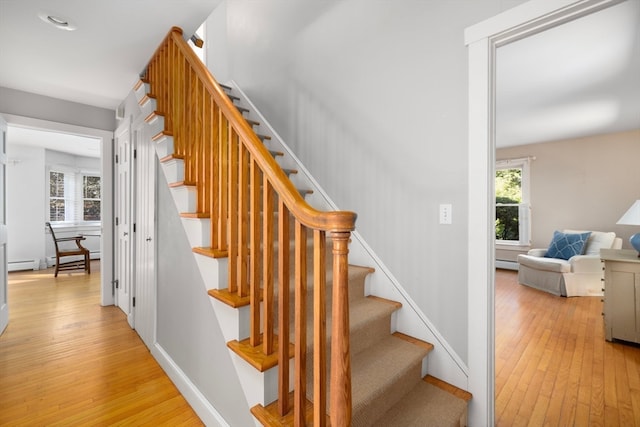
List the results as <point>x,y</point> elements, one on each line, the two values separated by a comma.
<point>445,214</point>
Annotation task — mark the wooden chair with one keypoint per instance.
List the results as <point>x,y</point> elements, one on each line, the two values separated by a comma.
<point>82,264</point>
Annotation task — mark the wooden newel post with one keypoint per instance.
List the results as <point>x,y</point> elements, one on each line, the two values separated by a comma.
<point>340,388</point>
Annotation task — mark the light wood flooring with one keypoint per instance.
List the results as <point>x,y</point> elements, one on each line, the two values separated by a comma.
<point>553,365</point>
<point>67,361</point>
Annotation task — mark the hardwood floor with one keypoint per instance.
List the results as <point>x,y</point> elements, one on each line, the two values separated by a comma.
<point>65,360</point>
<point>553,365</point>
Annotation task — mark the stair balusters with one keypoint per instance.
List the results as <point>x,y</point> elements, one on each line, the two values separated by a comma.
<point>239,185</point>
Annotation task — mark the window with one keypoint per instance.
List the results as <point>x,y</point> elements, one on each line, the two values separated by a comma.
<point>512,202</point>
<point>91,198</point>
<point>74,197</point>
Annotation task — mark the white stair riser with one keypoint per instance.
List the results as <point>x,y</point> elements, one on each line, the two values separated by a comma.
<point>148,107</point>
<point>258,387</point>
<point>156,124</point>
<point>142,91</point>
<point>234,322</point>
<point>198,230</point>
<point>164,146</point>
<point>184,197</point>
<point>214,271</point>
<point>174,170</point>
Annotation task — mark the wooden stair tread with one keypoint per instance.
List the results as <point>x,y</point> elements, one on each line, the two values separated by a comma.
<point>255,356</point>
<point>153,115</point>
<point>171,157</point>
<point>426,345</point>
<point>161,135</point>
<point>450,388</point>
<point>182,184</point>
<point>230,298</point>
<point>138,84</point>
<point>211,252</point>
<point>252,122</point>
<point>146,98</point>
<point>270,416</point>
<point>195,215</point>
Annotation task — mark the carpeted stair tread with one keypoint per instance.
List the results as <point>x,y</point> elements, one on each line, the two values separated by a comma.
<point>382,374</point>
<point>425,406</point>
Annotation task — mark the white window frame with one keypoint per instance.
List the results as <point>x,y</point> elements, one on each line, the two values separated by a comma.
<point>74,195</point>
<point>524,208</point>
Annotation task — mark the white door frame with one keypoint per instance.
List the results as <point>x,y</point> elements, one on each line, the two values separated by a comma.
<point>106,204</point>
<point>4,298</point>
<point>482,40</point>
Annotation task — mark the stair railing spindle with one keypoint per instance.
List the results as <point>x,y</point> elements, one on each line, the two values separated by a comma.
<point>267,267</point>
<point>254,244</point>
<point>300,296</point>
<point>319,327</point>
<point>283,308</point>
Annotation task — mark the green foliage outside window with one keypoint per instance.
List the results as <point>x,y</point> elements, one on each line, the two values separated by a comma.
<point>508,198</point>
<point>91,196</point>
<point>56,196</point>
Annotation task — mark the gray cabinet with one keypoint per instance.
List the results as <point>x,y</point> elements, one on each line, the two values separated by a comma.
<point>621,294</point>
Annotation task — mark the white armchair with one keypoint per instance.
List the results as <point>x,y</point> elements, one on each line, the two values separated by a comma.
<point>580,275</point>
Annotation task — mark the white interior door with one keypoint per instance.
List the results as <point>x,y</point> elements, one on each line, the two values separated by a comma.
<point>145,220</point>
<point>124,258</point>
<point>4,301</point>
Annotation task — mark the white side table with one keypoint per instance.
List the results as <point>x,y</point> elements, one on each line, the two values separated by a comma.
<point>621,294</point>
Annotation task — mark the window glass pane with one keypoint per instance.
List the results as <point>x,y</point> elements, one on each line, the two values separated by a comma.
<point>56,184</point>
<point>507,223</point>
<point>508,199</point>
<point>56,209</point>
<point>91,211</point>
<point>91,187</point>
<point>509,185</point>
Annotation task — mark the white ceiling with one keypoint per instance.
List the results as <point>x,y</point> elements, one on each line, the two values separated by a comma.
<point>581,78</point>
<point>67,143</point>
<point>574,80</point>
<point>98,63</point>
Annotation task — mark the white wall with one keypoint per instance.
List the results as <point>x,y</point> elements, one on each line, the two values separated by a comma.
<point>372,97</point>
<point>584,183</point>
<point>25,203</point>
<point>187,327</point>
<point>56,110</point>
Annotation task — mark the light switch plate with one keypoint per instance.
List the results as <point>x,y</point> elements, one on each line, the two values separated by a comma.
<point>445,214</point>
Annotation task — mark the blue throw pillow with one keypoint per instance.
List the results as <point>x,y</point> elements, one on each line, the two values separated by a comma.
<point>564,245</point>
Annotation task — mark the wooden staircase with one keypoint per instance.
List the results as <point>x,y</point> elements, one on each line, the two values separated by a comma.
<point>288,272</point>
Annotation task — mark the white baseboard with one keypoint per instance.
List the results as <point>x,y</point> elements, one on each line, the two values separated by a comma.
<point>507,265</point>
<point>207,413</point>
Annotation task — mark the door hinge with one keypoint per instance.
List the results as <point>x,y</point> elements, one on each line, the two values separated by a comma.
<point>135,154</point>
<point>116,283</point>
<point>134,227</point>
<point>134,301</point>
<point>116,158</point>
<point>116,220</point>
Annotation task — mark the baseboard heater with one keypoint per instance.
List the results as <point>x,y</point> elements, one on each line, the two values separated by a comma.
<point>507,265</point>
<point>30,264</point>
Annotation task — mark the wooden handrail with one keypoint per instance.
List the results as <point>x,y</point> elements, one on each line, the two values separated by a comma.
<point>239,185</point>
